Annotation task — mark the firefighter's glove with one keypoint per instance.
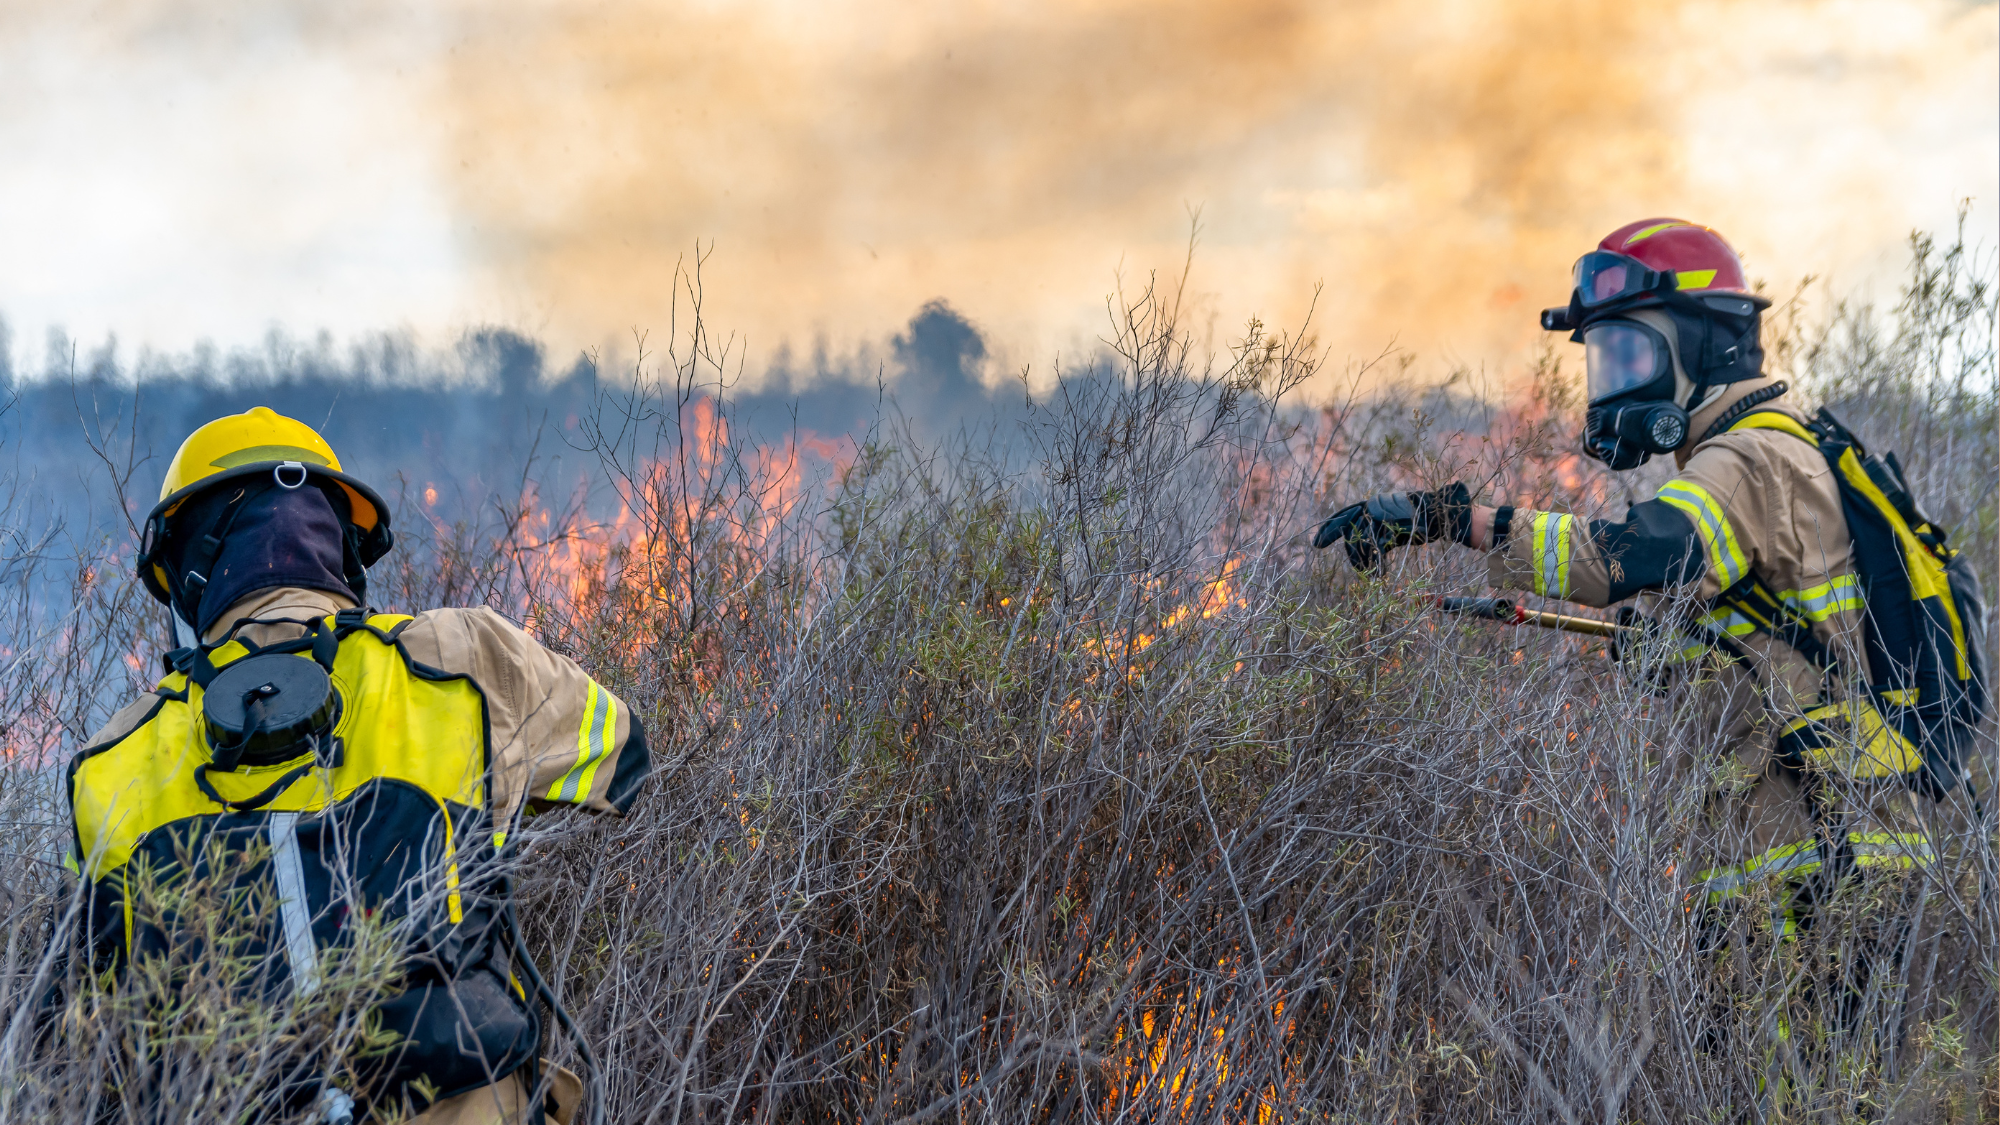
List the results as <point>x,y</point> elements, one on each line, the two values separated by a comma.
<point>1396,519</point>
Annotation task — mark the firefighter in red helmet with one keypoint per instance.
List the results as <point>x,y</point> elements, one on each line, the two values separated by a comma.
<point>1748,552</point>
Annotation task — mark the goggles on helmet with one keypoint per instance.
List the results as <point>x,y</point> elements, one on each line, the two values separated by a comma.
<point>1604,281</point>
<point>1621,356</point>
<point>1603,278</point>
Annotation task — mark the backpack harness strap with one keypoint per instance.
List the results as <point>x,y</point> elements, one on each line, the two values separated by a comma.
<point>322,640</point>
<point>1751,603</point>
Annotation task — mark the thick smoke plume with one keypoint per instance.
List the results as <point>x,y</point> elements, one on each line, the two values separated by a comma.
<point>1436,167</point>
<point>181,171</point>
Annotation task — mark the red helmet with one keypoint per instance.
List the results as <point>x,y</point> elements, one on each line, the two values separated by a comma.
<point>1644,263</point>
<point>1699,257</point>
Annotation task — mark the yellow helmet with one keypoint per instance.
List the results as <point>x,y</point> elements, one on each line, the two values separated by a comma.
<point>259,442</point>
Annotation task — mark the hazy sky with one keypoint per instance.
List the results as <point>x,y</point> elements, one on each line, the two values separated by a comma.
<point>174,171</point>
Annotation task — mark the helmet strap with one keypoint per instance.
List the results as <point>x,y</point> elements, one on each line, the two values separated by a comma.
<point>353,571</point>
<point>1719,358</point>
<point>1699,377</point>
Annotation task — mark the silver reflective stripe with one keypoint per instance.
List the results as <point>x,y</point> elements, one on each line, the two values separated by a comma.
<point>1732,879</point>
<point>1713,525</point>
<point>293,910</point>
<point>590,746</point>
<point>1550,537</point>
<point>1822,602</point>
<point>1730,622</point>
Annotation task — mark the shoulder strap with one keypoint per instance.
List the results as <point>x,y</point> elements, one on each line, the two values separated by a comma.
<point>321,639</point>
<point>1772,420</point>
<point>385,627</point>
<point>193,663</point>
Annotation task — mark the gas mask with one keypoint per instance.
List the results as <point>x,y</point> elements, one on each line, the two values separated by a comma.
<point>1636,388</point>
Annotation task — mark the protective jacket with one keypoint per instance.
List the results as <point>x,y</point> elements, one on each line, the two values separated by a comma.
<point>1750,531</point>
<point>1749,553</point>
<point>451,724</point>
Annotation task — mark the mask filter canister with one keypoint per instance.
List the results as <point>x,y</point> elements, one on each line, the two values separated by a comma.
<point>1666,427</point>
<point>1626,436</point>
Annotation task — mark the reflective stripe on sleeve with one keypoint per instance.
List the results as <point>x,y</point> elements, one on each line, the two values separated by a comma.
<point>1817,603</point>
<point>593,743</point>
<point>1724,557</point>
<point>1729,622</point>
<point>1549,534</point>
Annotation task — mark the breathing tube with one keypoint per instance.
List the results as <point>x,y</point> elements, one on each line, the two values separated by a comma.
<point>593,1076</point>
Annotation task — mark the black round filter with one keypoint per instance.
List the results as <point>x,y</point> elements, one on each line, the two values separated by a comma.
<point>266,709</point>
<point>1669,428</point>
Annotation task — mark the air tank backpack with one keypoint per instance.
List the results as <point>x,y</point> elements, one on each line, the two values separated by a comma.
<point>1923,626</point>
<point>335,780</point>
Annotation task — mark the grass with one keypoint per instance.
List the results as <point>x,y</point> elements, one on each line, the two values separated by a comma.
<point>1050,776</point>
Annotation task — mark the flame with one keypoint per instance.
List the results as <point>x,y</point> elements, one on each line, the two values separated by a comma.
<point>1212,599</point>
<point>1181,1063</point>
<point>702,517</point>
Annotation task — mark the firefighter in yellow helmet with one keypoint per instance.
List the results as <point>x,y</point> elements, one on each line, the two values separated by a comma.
<point>1834,708</point>
<point>362,764</point>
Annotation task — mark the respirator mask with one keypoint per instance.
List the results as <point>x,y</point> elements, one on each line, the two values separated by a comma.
<point>1632,416</point>
<point>1637,380</point>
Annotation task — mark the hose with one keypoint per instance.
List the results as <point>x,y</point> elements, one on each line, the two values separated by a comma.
<point>593,1078</point>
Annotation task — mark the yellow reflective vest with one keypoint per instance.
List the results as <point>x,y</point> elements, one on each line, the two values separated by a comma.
<point>393,821</point>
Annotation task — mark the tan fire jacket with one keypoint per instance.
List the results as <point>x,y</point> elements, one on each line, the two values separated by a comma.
<point>1749,507</point>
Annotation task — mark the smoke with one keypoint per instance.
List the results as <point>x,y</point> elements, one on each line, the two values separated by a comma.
<point>180,171</point>
<point>1012,156</point>
<point>1435,165</point>
<point>447,435</point>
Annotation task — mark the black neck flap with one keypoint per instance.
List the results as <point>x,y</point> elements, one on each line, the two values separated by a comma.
<point>258,536</point>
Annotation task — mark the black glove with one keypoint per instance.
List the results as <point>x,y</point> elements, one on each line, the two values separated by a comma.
<point>1394,519</point>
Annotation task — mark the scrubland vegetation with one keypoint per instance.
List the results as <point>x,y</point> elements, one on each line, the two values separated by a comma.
<point>1050,775</point>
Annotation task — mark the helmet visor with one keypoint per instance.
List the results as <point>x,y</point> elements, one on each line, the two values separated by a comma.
<point>1603,277</point>
<point>1619,356</point>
